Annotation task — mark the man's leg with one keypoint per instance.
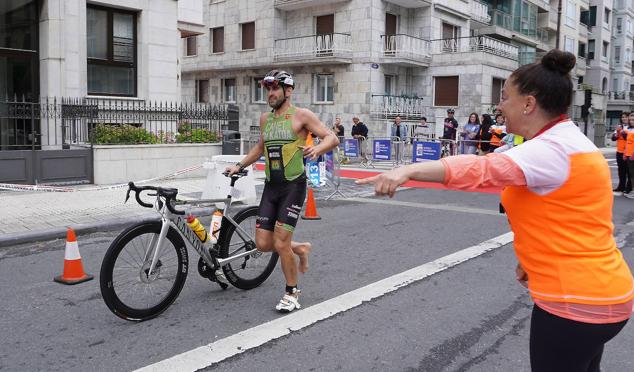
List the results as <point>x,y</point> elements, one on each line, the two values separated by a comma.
<point>622,171</point>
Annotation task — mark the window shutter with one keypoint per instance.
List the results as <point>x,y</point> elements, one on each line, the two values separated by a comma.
<point>218,40</point>
<point>248,35</point>
<point>446,91</point>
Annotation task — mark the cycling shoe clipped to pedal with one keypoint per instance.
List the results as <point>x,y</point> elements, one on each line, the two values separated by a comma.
<point>216,276</point>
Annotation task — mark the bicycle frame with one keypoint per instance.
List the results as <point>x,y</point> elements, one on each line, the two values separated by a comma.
<point>169,219</point>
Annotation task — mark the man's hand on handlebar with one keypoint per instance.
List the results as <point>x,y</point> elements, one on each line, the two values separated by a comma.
<point>230,171</point>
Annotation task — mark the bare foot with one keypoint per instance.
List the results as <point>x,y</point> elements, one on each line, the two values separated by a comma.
<point>302,250</point>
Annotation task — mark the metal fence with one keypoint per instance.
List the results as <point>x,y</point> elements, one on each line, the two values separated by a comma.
<point>54,122</point>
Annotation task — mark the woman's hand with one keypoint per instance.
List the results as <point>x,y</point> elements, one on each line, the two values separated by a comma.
<point>386,183</point>
<point>521,276</point>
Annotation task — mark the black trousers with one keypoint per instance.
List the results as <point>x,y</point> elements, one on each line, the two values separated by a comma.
<point>630,174</point>
<point>625,180</point>
<point>563,345</point>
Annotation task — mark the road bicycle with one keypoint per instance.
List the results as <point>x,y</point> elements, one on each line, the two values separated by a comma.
<point>145,267</point>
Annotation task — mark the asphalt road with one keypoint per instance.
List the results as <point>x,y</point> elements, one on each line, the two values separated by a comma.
<point>470,317</point>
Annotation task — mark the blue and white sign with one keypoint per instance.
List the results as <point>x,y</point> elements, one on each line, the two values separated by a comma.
<point>382,149</point>
<point>351,147</point>
<point>313,172</point>
<point>425,151</point>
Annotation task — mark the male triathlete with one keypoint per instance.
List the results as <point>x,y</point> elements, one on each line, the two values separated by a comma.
<point>283,142</point>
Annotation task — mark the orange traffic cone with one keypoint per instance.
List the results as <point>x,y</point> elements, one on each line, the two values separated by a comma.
<point>311,208</point>
<point>73,269</point>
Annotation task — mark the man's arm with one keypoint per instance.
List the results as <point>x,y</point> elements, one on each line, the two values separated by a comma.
<point>328,140</point>
<point>254,154</point>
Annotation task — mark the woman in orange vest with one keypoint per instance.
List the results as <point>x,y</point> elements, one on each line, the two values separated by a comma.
<point>628,157</point>
<point>619,136</point>
<point>582,287</point>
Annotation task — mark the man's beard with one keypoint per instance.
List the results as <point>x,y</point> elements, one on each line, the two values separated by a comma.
<point>277,104</point>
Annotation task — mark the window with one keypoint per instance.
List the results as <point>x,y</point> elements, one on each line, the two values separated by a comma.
<point>248,36</point>
<point>446,91</point>
<point>111,50</point>
<point>190,46</point>
<point>606,19</point>
<point>581,50</point>
<point>324,88</point>
<point>202,91</point>
<point>259,92</point>
<point>569,44</point>
<point>619,25</point>
<point>496,90</point>
<point>218,40</point>
<point>592,16</point>
<point>615,84</point>
<point>390,85</point>
<point>229,90</point>
<point>584,17</point>
<point>450,34</point>
<point>617,55</point>
<point>604,52</point>
<point>590,49</point>
<point>571,13</point>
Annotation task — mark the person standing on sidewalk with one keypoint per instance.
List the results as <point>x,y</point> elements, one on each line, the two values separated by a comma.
<point>469,133</point>
<point>621,163</point>
<point>398,132</point>
<point>628,157</point>
<point>449,131</point>
<point>360,132</point>
<point>563,232</point>
<point>283,143</point>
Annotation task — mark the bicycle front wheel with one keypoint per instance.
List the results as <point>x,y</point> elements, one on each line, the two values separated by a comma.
<point>250,271</point>
<point>128,288</point>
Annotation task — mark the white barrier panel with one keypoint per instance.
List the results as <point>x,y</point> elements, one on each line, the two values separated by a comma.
<point>217,186</point>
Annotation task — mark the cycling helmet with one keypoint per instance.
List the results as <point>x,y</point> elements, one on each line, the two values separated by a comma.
<point>278,77</point>
<point>450,111</point>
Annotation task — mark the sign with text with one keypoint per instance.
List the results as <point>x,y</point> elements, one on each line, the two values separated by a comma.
<point>329,160</point>
<point>351,147</point>
<point>423,150</point>
<point>313,172</point>
<point>382,149</point>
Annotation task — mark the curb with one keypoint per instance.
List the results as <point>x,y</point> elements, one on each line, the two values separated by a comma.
<point>8,240</point>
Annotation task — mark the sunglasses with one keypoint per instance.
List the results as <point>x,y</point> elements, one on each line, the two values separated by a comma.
<point>269,82</point>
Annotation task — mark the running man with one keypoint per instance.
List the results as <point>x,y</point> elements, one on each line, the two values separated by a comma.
<point>283,143</point>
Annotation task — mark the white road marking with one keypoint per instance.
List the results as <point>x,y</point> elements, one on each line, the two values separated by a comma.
<point>443,207</point>
<point>220,350</point>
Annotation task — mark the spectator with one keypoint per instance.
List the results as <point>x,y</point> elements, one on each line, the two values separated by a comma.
<point>469,133</point>
<point>621,164</point>
<point>628,157</point>
<point>485,135</point>
<point>399,133</point>
<point>450,129</point>
<point>339,129</point>
<point>422,128</point>
<point>498,131</point>
<point>360,132</point>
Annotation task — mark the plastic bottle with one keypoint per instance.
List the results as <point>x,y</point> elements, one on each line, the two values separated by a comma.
<point>198,228</point>
<point>216,221</point>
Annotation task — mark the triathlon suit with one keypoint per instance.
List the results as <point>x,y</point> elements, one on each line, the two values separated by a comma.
<point>285,186</point>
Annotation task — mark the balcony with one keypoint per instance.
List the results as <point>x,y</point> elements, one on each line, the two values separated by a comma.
<point>622,97</point>
<point>314,49</point>
<point>410,3</point>
<point>389,106</point>
<point>299,4</point>
<point>514,26</point>
<point>474,44</point>
<point>480,12</point>
<point>405,50</point>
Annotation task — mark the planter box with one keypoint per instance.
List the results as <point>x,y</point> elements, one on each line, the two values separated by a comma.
<point>124,163</point>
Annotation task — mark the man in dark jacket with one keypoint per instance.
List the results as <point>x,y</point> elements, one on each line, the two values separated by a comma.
<point>360,132</point>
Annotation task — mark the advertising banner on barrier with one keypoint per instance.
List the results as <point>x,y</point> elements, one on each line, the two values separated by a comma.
<point>329,160</point>
<point>351,147</point>
<point>423,150</point>
<point>382,149</point>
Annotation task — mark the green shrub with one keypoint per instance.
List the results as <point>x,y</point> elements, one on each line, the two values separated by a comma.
<point>188,135</point>
<point>126,134</point>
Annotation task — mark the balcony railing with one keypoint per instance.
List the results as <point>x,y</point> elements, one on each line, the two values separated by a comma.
<point>480,12</point>
<point>474,44</point>
<point>314,47</point>
<point>405,46</point>
<point>517,24</point>
<point>621,96</point>
<point>390,106</point>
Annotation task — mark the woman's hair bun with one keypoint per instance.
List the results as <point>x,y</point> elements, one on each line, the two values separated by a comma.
<point>560,61</point>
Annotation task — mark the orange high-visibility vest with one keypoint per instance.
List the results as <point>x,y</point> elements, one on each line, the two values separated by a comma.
<point>628,148</point>
<point>495,140</point>
<point>564,238</point>
<point>620,142</point>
